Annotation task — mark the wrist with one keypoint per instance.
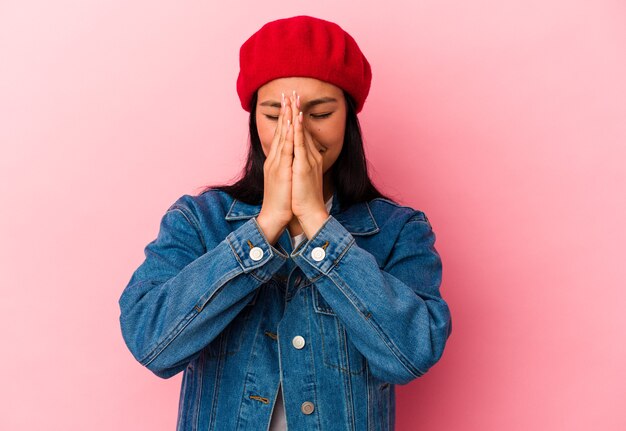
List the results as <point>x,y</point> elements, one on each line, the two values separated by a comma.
<point>313,223</point>
<point>271,229</point>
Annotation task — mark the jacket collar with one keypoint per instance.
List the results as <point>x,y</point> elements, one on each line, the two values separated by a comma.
<point>358,219</point>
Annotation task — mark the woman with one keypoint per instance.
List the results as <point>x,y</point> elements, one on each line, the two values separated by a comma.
<point>300,294</point>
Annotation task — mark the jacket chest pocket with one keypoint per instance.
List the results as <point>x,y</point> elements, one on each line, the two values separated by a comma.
<point>228,342</point>
<point>337,350</point>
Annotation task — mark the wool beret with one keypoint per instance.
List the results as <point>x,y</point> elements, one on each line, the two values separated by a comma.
<point>303,46</point>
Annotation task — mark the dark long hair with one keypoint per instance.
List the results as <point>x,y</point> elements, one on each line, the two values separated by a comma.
<point>349,172</point>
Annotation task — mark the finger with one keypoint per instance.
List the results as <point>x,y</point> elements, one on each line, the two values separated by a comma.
<point>283,125</point>
<point>299,148</point>
<point>278,131</point>
<point>314,155</point>
<point>286,145</point>
<point>294,106</point>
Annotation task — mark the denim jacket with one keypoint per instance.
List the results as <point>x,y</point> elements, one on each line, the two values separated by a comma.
<point>353,311</point>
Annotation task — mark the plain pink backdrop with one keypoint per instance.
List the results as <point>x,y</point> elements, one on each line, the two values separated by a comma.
<point>504,121</point>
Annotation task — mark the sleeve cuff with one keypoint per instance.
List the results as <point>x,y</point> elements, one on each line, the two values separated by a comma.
<point>254,252</point>
<point>322,252</point>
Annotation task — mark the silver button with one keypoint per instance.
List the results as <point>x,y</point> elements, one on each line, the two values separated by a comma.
<point>318,254</point>
<point>298,342</point>
<point>256,253</point>
<point>307,407</point>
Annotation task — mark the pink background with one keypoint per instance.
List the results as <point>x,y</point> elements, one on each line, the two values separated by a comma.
<point>504,121</point>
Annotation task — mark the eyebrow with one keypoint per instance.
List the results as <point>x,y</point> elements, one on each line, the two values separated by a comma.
<point>309,104</point>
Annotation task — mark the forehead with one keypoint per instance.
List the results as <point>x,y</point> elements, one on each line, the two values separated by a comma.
<point>306,87</point>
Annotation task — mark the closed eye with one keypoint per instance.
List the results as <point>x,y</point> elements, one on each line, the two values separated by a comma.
<point>321,115</point>
<point>316,116</point>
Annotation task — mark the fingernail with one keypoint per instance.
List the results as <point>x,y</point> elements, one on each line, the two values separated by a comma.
<point>298,102</point>
<point>300,117</point>
<point>283,102</point>
<point>288,124</point>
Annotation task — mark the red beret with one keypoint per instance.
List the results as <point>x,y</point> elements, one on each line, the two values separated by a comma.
<point>303,46</point>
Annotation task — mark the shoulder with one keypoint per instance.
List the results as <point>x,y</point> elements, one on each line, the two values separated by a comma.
<point>207,207</point>
<point>402,226</point>
<point>203,213</point>
<point>212,200</point>
<point>386,211</point>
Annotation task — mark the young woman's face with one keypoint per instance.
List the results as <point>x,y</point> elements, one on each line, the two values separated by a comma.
<point>323,108</point>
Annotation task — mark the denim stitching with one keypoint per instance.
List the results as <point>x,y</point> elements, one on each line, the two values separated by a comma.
<point>200,374</point>
<point>247,372</point>
<point>349,405</point>
<point>191,220</point>
<point>251,270</point>
<point>220,283</point>
<point>335,262</point>
<point>218,377</point>
<point>183,409</point>
<point>171,336</point>
<point>326,353</point>
<point>344,288</point>
<point>308,320</point>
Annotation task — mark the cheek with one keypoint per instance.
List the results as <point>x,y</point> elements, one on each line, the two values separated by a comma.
<point>266,134</point>
<point>329,133</point>
<point>336,134</point>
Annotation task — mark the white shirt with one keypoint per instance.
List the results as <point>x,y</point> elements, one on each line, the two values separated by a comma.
<point>279,421</point>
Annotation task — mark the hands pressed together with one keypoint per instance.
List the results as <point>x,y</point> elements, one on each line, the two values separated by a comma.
<point>293,176</point>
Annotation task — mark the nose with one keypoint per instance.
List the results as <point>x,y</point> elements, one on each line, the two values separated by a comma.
<point>309,133</point>
<point>316,144</point>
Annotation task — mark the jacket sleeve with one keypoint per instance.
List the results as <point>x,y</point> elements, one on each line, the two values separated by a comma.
<point>183,296</point>
<point>395,316</point>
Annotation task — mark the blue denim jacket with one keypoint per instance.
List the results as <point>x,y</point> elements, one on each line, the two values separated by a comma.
<point>353,311</point>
